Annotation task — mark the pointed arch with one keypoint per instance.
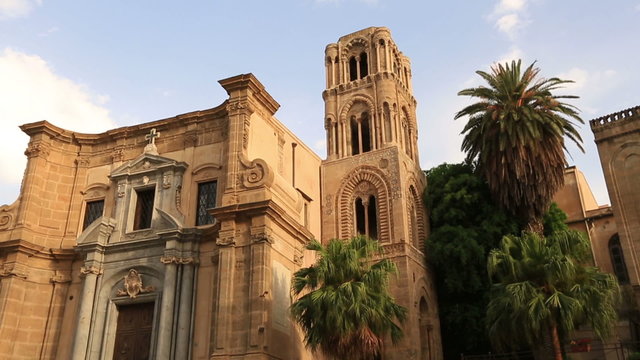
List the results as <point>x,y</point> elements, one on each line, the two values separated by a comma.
<point>362,181</point>
<point>417,217</point>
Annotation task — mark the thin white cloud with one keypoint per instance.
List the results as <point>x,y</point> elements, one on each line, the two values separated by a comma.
<point>514,54</point>
<point>638,7</point>
<point>509,16</point>
<point>17,8</point>
<point>48,31</point>
<point>589,85</point>
<point>505,6</point>
<point>31,91</point>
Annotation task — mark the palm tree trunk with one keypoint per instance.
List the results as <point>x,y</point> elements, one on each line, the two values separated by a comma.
<point>536,226</point>
<point>555,342</point>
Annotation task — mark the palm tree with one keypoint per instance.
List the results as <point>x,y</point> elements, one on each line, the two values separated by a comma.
<point>542,289</point>
<point>516,133</point>
<point>346,309</point>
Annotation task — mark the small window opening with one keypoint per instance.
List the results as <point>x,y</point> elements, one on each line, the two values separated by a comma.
<point>364,66</point>
<point>366,133</point>
<point>367,217</point>
<point>206,201</point>
<point>144,208</point>
<point>617,260</point>
<point>353,69</point>
<point>92,212</point>
<point>387,122</point>
<point>355,141</point>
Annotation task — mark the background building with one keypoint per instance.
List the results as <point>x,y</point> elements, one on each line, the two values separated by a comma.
<point>177,239</point>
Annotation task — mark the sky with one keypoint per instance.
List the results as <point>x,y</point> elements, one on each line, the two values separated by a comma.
<point>92,65</point>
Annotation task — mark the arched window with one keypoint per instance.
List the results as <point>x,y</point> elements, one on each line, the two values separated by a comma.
<point>364,65</point>
<point>366,212</point>
<point>425,331</point>
<point>366,132</point>
<point>353,69</point>
<point>387,122</point>
<point>617,260</point>
<point>355,139</point>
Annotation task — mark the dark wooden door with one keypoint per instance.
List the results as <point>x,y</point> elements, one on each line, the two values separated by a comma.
<point>133,334</point>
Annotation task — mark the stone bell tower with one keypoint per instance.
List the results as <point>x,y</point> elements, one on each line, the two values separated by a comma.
<point>372,181</point>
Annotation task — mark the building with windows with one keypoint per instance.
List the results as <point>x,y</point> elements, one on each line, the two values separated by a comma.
<point>177,239</point>
<point>613,230</point>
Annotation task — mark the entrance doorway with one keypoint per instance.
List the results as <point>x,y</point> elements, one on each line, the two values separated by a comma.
<point>133,334</point>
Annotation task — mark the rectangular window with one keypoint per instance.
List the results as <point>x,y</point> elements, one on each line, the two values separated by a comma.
<point>206,200</point>
<point>144,208</point>
<point>92,212</point>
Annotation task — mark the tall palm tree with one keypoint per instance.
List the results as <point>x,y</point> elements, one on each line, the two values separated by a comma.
<point>542,289</point>
<point>516,133</point>
<point>345,309</point>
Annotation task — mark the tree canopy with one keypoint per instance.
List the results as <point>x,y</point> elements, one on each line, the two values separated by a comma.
<point>516,134</point>
<point>465,226</point>
<point>543,289</point>
<point>344,306</point>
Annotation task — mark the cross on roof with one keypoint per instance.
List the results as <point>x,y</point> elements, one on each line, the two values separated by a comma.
<point>151,137</point>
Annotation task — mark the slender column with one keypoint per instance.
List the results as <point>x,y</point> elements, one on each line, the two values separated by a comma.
<point>344,71</point>
<point>166,310</point>
<point>333,71</point>
<point>377,57</point>
<point>184,317</point>
<point>388,58</point>
<point>81,339</point>
<point>327,65</point>
<point>358,68</point>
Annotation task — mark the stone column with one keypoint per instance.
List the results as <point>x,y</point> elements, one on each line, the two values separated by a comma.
<point>85,313</point>
<point>184,312</point>
<point>166,309</point>
<point>226,275</point>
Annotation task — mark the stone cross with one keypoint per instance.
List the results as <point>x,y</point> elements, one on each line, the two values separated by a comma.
<point>151,137</point>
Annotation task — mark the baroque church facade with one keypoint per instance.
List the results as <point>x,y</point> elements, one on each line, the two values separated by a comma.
<point>177,239</point>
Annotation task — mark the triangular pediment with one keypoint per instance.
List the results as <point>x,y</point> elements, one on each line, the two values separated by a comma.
<point>146,163</point>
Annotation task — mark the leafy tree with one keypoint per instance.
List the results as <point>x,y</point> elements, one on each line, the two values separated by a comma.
<point>465,226</point>
<point>516,133</point>
<point>346,310</point>
<point>543,289</point>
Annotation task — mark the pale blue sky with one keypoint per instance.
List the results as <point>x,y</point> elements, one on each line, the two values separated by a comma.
<point>92,65</point>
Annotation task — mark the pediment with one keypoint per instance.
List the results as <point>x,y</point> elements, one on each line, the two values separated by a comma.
<point>147,163</point>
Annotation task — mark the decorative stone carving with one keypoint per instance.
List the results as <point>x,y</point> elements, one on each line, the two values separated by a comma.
<point>166,180</point>
<point>257,173</point>
<point>262,237</point>
<point>190,139</point>
<point>37,150</point>
<point>82,161</point>
<point>139,234</point>
<point>245,131</point>
<point>117,154</point>
<point>13,269</point>
<point>328,204</point>
<point>120,190</point>
<point>235,106</point>
<point>179,197</point>
<point>85,270</point>
<point>7,215</point>
<point>178,260</point>
<point>133,285</point>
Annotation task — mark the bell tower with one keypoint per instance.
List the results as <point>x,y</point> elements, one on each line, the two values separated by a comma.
<point>372,181</point>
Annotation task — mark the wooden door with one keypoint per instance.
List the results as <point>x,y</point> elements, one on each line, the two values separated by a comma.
<point>133,334</point>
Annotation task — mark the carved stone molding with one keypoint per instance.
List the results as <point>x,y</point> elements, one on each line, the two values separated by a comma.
<point>262,237</point>
<point>328,204</point>
<point>117,155</point>
<point>229,240</point>
<point>237,105</point>
<point>86,270</point>
<point>60,279</point>
<point>133,285</point>
<point>13,269</point>
<point>178,260</point>
<point>139,234</point>
<point>37,150</point>
<point>83,161</point>
<point>190,139</point>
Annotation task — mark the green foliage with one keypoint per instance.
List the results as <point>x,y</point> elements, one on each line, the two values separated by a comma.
<point>634,356</point>
<point>554,220</point>
<point>346,309</point>
<point>516,133</point>
<point>541,287</point>
<point>465,226</point>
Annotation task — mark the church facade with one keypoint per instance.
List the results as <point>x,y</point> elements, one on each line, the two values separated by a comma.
<point>177,239</point>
